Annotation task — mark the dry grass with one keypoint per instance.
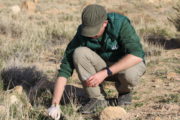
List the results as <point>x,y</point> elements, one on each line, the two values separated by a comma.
<point>176,19</point>
<point>28,39</point>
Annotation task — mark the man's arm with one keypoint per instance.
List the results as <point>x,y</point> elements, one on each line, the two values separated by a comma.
<point>58,90</point>
<point>124,63</point>
<point>54,111</point>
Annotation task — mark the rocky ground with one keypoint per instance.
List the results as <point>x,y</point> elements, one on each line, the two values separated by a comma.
<point>35,33</point>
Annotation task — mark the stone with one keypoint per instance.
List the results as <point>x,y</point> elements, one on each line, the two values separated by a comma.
<point>15,9</point>
<point>18,90</point>
<point>3,110</point>
<point>13,99</point>
<point>29,6</point>
<point>53,11</point>
<point>157,80</point>
<point>156,86</point>
<point>171,75</point>
<point>157,118</point>
<point>35,1</point>
<point>155,1</point>
<point>113,113</point>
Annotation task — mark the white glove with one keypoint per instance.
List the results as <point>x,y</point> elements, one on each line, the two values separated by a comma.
<point>54,111</point>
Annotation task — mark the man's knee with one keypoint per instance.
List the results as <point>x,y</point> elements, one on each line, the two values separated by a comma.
<point>80,53</point>
<point>132,78</point>
<point>133,74</point>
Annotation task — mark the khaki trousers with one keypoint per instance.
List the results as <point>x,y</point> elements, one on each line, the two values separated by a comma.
<point>87,63</point>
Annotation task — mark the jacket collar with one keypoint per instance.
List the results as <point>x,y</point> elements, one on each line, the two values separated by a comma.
<point>111,29</point>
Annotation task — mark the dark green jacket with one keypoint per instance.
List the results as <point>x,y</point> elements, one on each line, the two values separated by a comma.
<point>118,40</point>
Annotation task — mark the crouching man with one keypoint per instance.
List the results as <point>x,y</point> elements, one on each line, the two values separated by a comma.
<point>104,46</point>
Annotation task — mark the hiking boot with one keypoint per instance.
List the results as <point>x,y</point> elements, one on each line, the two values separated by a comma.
<point>93,106</point>
<point>124,99</point>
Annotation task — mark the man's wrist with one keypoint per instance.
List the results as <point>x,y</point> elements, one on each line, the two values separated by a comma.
<point>104,71</point>
<point>55,105</point>
<point>109,72</point>
<point>54,102</point>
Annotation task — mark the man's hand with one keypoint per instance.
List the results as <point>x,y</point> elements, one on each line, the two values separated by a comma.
<point>96,79</point>
<point>55,112</point>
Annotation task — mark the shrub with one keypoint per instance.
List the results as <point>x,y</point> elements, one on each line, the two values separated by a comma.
<point>26,76</point>
<point>176,19</point>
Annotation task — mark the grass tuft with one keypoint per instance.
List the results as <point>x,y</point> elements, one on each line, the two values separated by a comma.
<point>176,19</point>
<point>170,98</point>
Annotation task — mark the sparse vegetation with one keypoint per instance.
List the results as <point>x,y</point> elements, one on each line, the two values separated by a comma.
<point>170,98</point>
<point>176,19</point>
<point>138,104</point>
<point>39,39</point>
<point>160,73</point>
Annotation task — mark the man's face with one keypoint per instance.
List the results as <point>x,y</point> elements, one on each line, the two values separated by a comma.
<point>101,31</point>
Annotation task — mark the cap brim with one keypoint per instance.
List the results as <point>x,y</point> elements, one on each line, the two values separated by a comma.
<point>89,31</point>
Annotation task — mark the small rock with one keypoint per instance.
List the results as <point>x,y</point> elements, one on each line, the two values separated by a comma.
<point>15,9</point>
<point>155,1</point>
<point>53,11</point>
<point>35,1</point>
<point>157,80</point>
<point>29,105</point>
<point>18,90</point>
<point>3,110</point>
<point>113,113</point>
<point>156,86</point>
<point>171,75</point>
<point>157,118</point>
<point>13,99</point>
<point>29,6</point>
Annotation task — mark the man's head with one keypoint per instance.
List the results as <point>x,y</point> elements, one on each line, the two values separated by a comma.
<point>94,21</point>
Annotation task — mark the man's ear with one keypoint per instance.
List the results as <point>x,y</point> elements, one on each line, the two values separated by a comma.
<point>105,23</point>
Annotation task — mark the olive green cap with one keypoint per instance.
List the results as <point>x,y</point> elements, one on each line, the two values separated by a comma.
<point>92,17</point>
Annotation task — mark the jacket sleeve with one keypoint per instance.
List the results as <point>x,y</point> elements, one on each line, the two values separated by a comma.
<point>130,40</point>
<point>67,67</point>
